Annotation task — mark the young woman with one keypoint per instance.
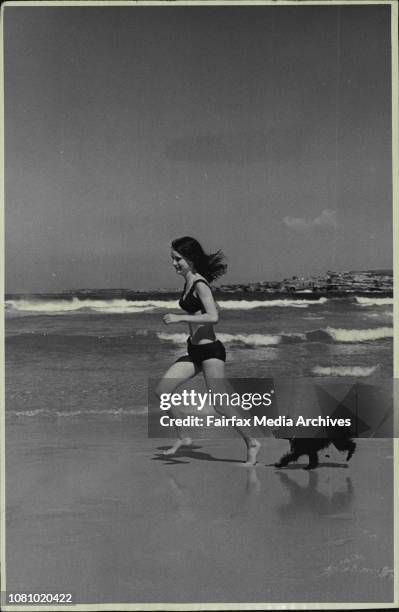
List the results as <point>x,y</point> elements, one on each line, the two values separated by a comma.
<point>206,354</point>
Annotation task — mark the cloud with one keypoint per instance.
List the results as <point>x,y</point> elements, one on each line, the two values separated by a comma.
<point>327,218</point>
<point>295,223</point>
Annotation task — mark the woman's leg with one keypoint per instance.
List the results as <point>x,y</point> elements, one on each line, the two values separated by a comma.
<point>178,373</point>
<point>213,370</point>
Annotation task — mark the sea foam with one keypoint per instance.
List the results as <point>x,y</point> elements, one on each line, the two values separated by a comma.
<point>251,304</point>
<point>373,301</point>
<point>111,412</point>
<point>248,339</point>
<point>122,306</point>
<point>100,306</point>
<point>359,335</point>
<point>344,370</point>
<point>327,335</point>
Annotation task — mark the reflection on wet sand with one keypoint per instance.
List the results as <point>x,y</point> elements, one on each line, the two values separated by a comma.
<point>186,500</point>
<point>196,527</point>
<point>308,499</point>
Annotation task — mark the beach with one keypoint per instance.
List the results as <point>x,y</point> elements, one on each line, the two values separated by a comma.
<point>95,510</point>
<point>148,146</point>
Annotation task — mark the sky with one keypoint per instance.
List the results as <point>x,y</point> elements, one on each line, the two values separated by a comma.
<point>264,131</point>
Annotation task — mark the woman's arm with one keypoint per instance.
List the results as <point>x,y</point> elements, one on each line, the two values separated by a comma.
<point>210,315</point>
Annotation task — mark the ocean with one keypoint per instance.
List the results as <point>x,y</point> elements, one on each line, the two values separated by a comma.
<point>92,358</point>
<point>95,509</point>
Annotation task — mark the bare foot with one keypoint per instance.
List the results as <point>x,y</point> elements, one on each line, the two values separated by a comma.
<point>252,452</point>
<point>179,442</point>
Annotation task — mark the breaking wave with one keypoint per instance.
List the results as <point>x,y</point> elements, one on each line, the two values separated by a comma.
<point>374,301</point>
<point>124,306</point>
<point>137,306</point>
<point>356,371</point>
<point>176,338</point>
<point>359,335</point>
<point>328,335</point>
<point>250,304</point>
<point>248,339</point>
<point>117,412</point>
<point>100,306</point>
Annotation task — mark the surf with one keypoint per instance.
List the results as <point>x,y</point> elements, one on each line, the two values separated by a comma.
<point>374,301</point>
<point>100,306</point>
<point>285,303</point>
<point>326,335</point>
<point>356,371</point>
<point>125,306</point>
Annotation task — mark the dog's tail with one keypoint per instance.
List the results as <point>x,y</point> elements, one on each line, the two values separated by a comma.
<point>345,445</point>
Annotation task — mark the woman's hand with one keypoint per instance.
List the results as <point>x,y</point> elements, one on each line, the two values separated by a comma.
<point>171,318</point>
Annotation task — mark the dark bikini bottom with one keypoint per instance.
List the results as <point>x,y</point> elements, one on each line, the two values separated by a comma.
<point>197,353</point>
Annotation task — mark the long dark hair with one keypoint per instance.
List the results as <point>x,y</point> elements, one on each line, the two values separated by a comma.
<point>210,266</point>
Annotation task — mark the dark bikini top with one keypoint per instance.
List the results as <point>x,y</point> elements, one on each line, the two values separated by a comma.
<point>191,303</point>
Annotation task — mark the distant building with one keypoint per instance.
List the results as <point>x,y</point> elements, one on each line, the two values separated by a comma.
<point>343,282</point>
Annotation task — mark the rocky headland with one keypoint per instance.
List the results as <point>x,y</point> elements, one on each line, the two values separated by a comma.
<point>332,284</point>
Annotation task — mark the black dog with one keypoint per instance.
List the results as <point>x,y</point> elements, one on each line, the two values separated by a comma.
<point>311,446</point>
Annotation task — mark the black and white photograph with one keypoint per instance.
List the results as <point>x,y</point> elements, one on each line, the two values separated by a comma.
<point>199,333</point>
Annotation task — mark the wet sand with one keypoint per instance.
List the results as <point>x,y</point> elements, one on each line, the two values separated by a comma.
<point>93,509</point>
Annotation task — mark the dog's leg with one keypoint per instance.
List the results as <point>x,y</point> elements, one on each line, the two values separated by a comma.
<point>351,449</point>
<point>313,461</point>
<point>286,459</point>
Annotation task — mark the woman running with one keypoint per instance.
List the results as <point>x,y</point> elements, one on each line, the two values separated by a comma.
<point>205,353</point>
